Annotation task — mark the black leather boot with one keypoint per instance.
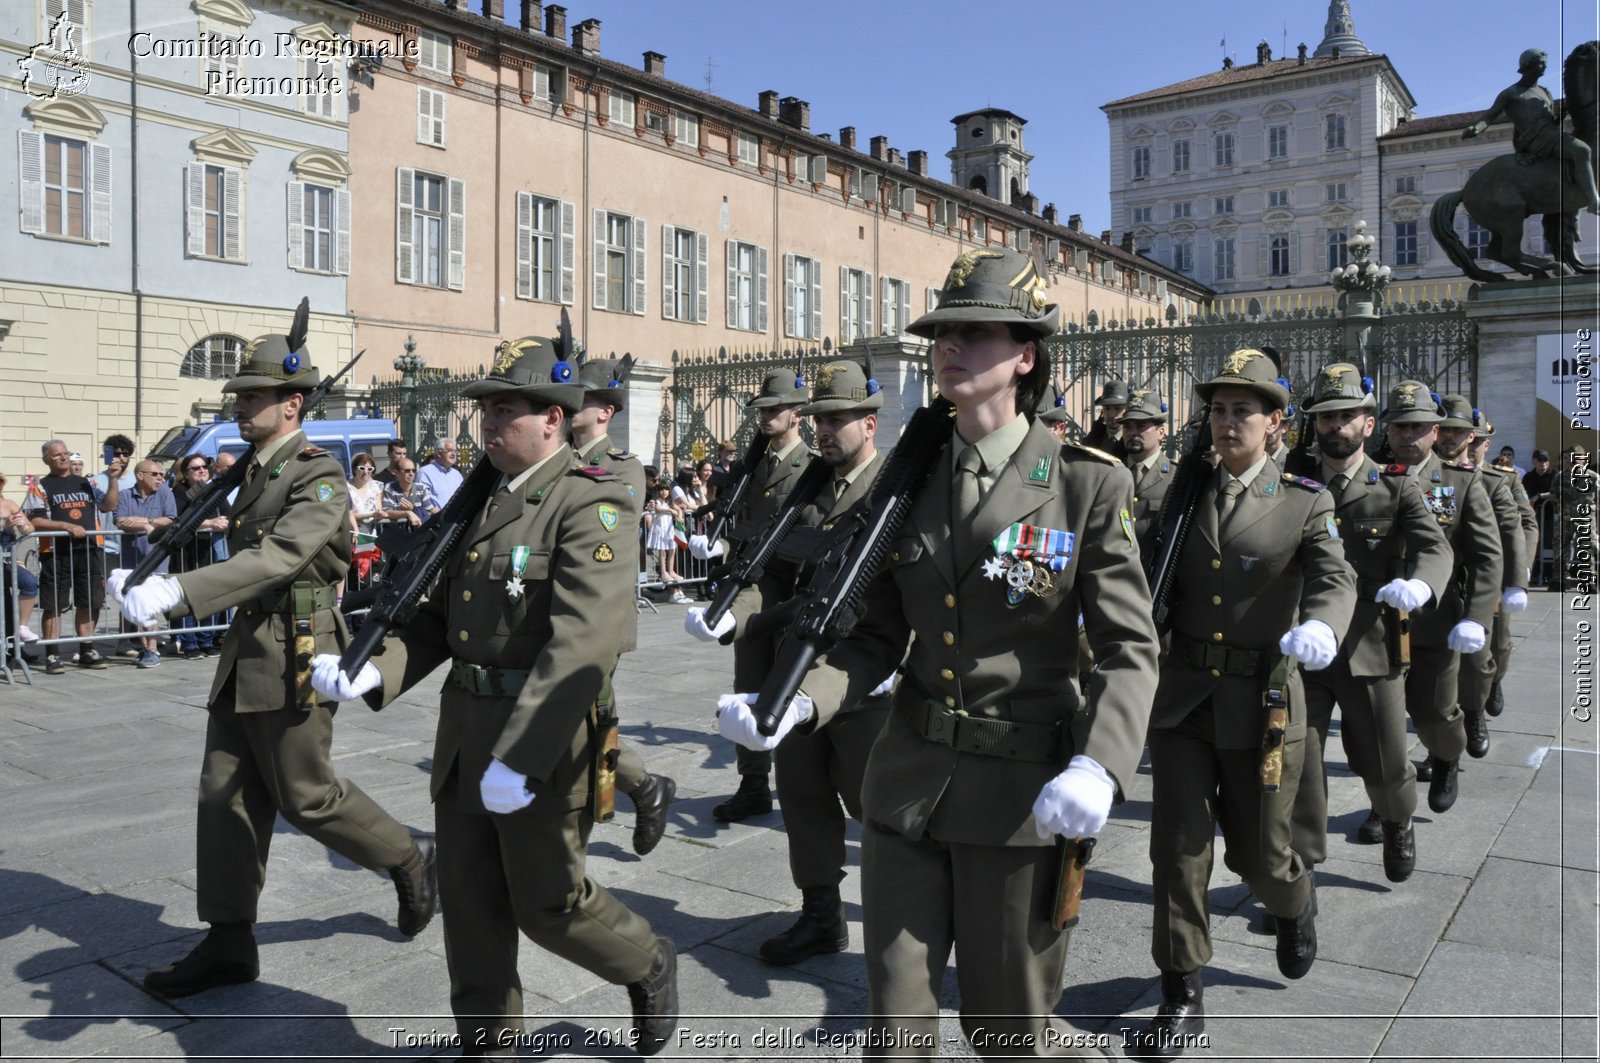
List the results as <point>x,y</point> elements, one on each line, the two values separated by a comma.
<point>1297,940</point>
<point>650,803</point>
<point>225,956</point>
<point>416,883</point>
<point>1477,724</point>
<point>753,798</point>
<point>655,1001</point>
<point>1425,769</point>
<point>1177,1023</point>
<point>1399,850</point>
<point>1371,830</point>
<point>821,928</point>
<point>1443,789</point>
<point>1497,700</point>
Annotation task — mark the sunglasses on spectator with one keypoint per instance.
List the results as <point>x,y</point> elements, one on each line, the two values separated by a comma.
<point>197,468</point>
<point>369,468</point>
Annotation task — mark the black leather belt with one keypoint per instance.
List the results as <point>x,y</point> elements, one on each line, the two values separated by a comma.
<point>487,681</point>
<point>979,734</point>
<point>1217,657</point>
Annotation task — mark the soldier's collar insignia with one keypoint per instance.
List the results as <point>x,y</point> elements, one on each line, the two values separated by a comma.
<point>324,491</point>
<point>608,516</point>
<point>1041,471</point>
<point>1372,476</point>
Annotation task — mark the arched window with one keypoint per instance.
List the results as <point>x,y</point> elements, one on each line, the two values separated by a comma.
<point>213,358</point>
<point>979,184</point>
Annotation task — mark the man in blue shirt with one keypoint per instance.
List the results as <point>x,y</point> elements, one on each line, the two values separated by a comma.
<point>140,511</point>
<point>441,475</point>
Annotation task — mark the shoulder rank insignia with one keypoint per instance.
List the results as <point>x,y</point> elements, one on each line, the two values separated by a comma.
<point>1396,470</point>
<point>324,491</point>
<point>593,472</point>
<point>1303,481</point>
<point>312,451</point>
<point>1464,466</point>
<point>608,516</point>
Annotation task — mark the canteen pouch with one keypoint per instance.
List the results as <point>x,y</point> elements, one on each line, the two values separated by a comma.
<point>603,721</point>
<point>1075,853</point>
<point>1275,700</point>
<point>1397,637</point>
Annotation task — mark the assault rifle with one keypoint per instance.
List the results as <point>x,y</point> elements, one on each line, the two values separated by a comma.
<point>181,531</point>
<point>756,553</point>
<point>414,571</point>
<point>726,504</point>
<point>830,606</point>
<point>1177,519</point>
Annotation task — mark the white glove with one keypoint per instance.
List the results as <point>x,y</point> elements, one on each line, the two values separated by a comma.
<point>1466,637</point>
<point>114,582</point>
<point>1312,643</point>
<point>1405,594</point>
<point>329,681</point>
<point>151,600</point>
<point>703,549</point>
<point>883,688</point>
<point>694,622</point>
<point>1075,803</point>
<point>1514,600</point>
<point>737,723</point>
<point>504,789</point>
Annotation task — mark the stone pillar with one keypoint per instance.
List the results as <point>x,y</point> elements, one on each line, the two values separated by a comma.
<point>637,427</point>
<point>900,366</point>
<point>1535,373</point>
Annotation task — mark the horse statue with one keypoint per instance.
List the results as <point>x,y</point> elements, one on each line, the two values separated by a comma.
<point>1552,172</point>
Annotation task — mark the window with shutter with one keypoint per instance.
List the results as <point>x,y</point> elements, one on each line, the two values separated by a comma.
<point>435,52</point>
<point>63,180</point>
<point>341,231</point>
<point>405,213</point>
<point>639,249</point>
<point>458,234</point>
<point>803,310</point>
<point>569,252</point>
<point>619,266</point>
<point>297,232</point>
<point>430,117</point>
<point>540,265</point>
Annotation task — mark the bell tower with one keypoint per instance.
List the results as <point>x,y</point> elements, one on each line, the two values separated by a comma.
<point>989,156</point>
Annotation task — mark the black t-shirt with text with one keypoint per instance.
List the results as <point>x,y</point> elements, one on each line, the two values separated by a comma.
<point>69,499</point>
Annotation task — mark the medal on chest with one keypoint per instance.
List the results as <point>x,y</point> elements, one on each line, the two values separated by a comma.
<point>519,561</point>
<point>1441,502</point>
<point>1028,558</point>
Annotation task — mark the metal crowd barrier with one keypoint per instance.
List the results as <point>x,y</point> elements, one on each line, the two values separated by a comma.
<point>1544,559</point>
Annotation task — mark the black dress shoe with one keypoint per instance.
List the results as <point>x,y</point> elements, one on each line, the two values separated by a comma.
<point>226,956</point>
<point>655,1001</point>
<point>1425,770</point>
<point>753,798</point>
<point>1297,940</point>
<point>1177,1023</point>
<point>650,803</point>
<point>1399,850</point>
<point>1497,700</point>
<point>1477,734</point>
<point>1443,789</point>
<point>821,928</point>
<point>416,882</point>
<point>1371,830</point>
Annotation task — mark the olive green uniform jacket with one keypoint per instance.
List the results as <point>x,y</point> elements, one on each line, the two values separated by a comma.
<point>1456,497</point>
<point>1149,492</point>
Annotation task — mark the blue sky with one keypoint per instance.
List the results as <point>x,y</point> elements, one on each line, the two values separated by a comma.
<point>903,70</point>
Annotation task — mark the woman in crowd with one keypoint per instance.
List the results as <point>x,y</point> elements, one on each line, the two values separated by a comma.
<point>366,495</point>
<point>13,526</point>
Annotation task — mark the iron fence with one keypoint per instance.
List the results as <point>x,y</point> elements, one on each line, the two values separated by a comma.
<point>427,404</point>
<point>709,398</point>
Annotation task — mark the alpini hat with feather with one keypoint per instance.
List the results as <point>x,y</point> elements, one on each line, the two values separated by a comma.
<point>844,387</point>
<point>992,285</point>
<point>537,367</point>
<point>606,378</point>
<point>1251,369</point>
<point>1340,386</point>
<point>278,361</point>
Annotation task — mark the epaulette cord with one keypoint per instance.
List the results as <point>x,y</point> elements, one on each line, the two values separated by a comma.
<point>594,472</point>
<point>1303,481</point>
<point>1109,459</point>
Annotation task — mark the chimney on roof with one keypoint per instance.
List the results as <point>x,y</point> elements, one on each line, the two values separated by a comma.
<point>555,22</point>
<point>1263,53</point>
<point>793,111</point>
<point>769,104</point>
<point>1227,62</point>
<point>586,37</point>
<point>655,63</point>
<point>1302,55</point>
<point>896,159</point>
<point>1075,222</point>
<point>847,137</point>
<point>532,15</point>
<point>453,5</point>
<point>495,9</point>
<point>918,163</point>
<point>880,148</point>
<point>826,136</point>
<point>1050,214</point>
<point>1127,241</point>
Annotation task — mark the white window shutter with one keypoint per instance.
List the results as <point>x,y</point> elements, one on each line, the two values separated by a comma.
<point>232,214</point>
<point>866,304</point>
<point>791,320</point>
<point>524,245</point>
<point>405,179</point>
<point>816,300</point>
<point>888,310</point>
<point>569,251</point>
<point>438,118</point>
<point>458,233</point>
<point>297,223</point>
<point>341,231</point>
<point>424,116</point>
<point>100,193</point>
<point>640,236</point>
<point>702,278</point>
<point>30,167</point>
<point>600,260</point>
<point>732,291</point>
<point>844,306</point>
<point>669,276</point>
<point>930,300</point>
<point>195,207</point>
<point>761,289</point>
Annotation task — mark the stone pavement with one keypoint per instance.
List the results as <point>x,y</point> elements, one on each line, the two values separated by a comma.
<point>1488,952</point>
